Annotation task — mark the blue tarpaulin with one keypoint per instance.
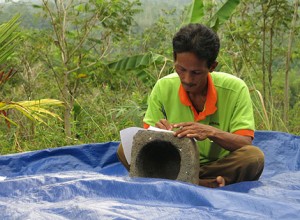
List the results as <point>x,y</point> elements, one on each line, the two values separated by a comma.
<point>88,182</point>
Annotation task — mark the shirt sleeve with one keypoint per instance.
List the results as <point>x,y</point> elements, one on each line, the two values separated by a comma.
<point>245,132</point>
<point>242,117</point>
<point>155,107</point>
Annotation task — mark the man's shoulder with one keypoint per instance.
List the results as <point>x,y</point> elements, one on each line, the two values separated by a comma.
<point>167,84</point>
<point>227,81</point>
<point>225,76</point>
<point>172,78</point>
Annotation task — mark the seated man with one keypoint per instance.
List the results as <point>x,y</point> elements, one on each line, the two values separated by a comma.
<point>213,107</point>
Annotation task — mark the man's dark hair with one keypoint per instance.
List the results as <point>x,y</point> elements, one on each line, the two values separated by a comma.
<point>198,39</point>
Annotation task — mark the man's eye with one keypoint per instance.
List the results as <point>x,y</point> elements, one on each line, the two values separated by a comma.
<point>196,72</point>
<point>180,70</point>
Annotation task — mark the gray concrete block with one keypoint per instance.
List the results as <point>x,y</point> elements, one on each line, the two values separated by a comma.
<point>161,155</point>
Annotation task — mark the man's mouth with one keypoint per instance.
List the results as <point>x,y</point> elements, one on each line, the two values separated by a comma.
<point>188,85</point>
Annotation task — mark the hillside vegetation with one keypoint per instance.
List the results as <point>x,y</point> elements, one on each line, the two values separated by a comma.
<point>71,53</point>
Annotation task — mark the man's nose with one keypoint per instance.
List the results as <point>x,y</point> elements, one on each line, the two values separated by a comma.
<point>188,78</point>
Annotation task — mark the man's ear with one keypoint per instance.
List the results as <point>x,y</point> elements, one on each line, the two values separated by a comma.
<point>174,56</point>
<point>213,66</point>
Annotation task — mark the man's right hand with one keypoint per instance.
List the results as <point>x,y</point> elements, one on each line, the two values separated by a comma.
<point>164,124</point>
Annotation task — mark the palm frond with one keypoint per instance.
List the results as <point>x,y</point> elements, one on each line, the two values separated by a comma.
<point>34,110</point>
<point>8,38</point>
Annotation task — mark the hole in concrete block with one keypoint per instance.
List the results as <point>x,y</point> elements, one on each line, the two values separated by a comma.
<point>159,159</point>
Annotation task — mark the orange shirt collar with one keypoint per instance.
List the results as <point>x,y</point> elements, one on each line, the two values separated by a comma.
<point>211,100</point>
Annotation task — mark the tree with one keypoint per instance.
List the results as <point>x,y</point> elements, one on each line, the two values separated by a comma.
<point>288,58</point>
<point>83,32</point>
<point>257,40</point>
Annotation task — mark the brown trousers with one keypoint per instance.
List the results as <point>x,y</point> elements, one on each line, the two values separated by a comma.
<point>244,164</point>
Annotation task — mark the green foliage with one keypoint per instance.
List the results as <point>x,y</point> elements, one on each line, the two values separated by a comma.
<point>8,37</point>
<point>255,50</point>
<point>140,63</point>
<point>81,31</point>
<point>136,62</point>
<point>115,57</point>
<point>223,14</point>
<point>195,12</point>
<point>197,9</point>
<point>34,110</point>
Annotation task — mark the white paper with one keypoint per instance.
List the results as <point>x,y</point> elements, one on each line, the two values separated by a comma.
<point>158,129</point>
<point>127,135</point>
<point>126,140</point>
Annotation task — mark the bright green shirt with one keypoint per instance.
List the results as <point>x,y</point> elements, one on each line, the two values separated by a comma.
<point>228,107</point>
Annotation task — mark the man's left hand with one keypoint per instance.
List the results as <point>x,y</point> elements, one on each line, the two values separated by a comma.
<point>193,130</point>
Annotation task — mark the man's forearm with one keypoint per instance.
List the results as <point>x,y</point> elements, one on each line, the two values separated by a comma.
<point>228,140</point>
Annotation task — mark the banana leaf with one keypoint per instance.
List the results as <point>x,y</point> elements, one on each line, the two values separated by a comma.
<point>223,14</point>
<point>196,12</point>
<point>137,61</point>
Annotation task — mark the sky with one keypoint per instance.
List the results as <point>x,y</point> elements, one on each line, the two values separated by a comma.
<point>3,1</point>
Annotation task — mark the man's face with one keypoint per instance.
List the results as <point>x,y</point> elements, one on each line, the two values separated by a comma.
<point>192,72</point>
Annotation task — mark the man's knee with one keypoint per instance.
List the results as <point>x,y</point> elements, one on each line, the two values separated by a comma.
<point>253,152</point>
<point>121,157</point>
<point>254,160</point>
